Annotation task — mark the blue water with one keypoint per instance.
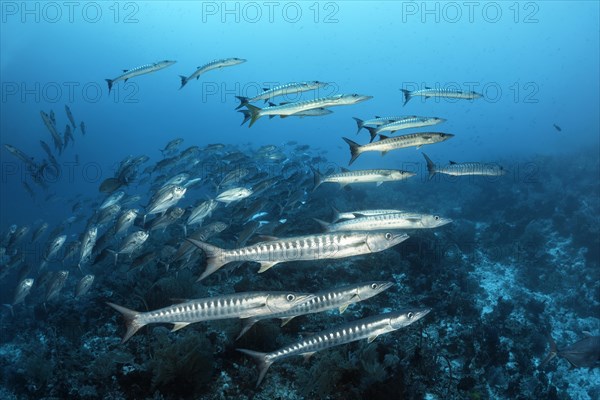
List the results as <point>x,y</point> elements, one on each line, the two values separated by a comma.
<point>536,63</point>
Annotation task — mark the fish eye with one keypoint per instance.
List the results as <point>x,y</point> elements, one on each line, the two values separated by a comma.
<point>373,286</point>
<point>388,236</point>
<point>290,297</point>
<point>436,217</point>
<point>409,315</point>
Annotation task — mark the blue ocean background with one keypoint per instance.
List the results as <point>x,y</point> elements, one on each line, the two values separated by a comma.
<point>536,63</point>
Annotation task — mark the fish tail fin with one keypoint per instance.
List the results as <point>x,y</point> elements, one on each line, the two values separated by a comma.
<point>336,213</point>
<point>12,311</point>
<point>254,113</point>
<point>359,123</point>
<point>317,179</point>
<point>243,101</point>
<point>407,95</point>
<point>132,322</point>
<point>247,116</point>
<point>110,84</point>
<point>430,166</point>
<point>248,323</point>
<point>214,257</point>
<point>553,353</point>
<point>184,80</point>
<point>324,225</point>
<point>354,150</point>
<point>372,132</point>
<point>261,360</point>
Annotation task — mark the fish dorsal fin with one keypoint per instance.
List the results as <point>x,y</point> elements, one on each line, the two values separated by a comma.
<point>452,162</point>
<point>371,338</point>
<point>358,215</point>
<point>344,169</point>
<point>284,116</point>
<point>125,70</point>
<point>383,137</point>
<point>307,356</point>
<point>284,321</point>
<point>265,89</point>
<point>179,325</point>
<point>377,116</point>
<point>265,265</point>
<point>343,308</point>
<point>271,104</point>
<point>283,103</point>
<point>427,87</point>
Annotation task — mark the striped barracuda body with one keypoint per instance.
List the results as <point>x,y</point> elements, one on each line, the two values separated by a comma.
<point>58,142</point>
<point>300,248</point>
<point>440,93</point>
<point>284,110</point>
<point>366,328</point>
<point>339,298</point>
<point>378,222</point>
<point>237,305</point>
<point>362,176</point>
<point>406,123</point>
<point>281,90</point>
<point>338,215</point>
<point>141,70</point>
<point>386,144</point>
<point>466,168</point>
<point>377,121</point>
<point>216,64</point>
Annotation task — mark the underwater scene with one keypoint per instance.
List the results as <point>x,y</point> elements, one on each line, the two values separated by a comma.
<point>300,200</point>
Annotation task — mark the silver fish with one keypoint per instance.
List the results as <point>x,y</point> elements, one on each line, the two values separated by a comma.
<point>338,215</point>
<point>347,177</point>
<point>440,93</point>
<point>281,90</point>
<point>406,123</point>
<point>236,305</point>
<point>301,106</point>
<point>234,194</point>
<point>377,121</point>
<point>216,64</point>
<point>126,220</point>
<point>112,199</point>
<point>84,285</point>
<point>87,245</point>
<point>308,247</point>
<point>58,143</point>
<point>21,291</point>
<point>367,328</point>
<point>466,168</point>
<point>386,144</point>
<point>21,156</point>
<point>339,298</point>
<point>165,198</point>
<point>204,210</point>
<point>132,243</point>
<point>56,284</point>
<point>144,69</point>
<point>386,221</point>
<point>54,246</point>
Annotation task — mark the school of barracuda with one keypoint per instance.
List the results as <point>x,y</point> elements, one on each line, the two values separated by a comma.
<point>255,196</point>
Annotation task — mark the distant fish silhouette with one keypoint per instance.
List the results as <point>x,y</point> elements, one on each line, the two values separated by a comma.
<point>557,127</point>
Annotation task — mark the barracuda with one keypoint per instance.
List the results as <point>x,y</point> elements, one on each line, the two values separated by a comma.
<point>406,123</point>
<point>137,71</point>
<point>281,90</point>
<point>362,176</point>
<point>386,221</point>
<point>300,106</point>
<point>338,215</point>
<point>237,305</point>
<point>216,64</point>
<point>299,248</point>
<point>466,168</point>
<point>386,144</point>
<point>440,93</point>
<point>366,328</point>
<point>58,142</point>
<point>339,298</point>
<point>377,121</point>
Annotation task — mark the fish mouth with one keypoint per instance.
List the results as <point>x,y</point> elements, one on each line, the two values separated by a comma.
<point>385,286</point>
